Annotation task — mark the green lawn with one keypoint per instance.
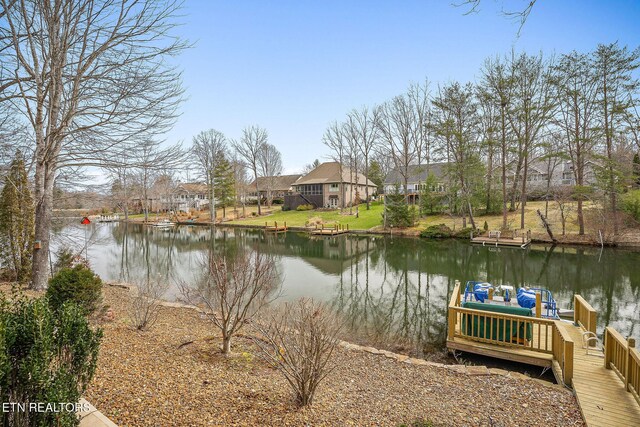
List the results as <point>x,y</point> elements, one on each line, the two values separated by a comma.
<point>373,217</point>
<point>367,218</point>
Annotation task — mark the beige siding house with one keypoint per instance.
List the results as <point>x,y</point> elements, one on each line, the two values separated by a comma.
<point>325,187</point>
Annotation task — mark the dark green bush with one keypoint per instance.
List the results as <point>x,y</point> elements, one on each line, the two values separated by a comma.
<point>397,211</point>
<point>631,204</point>
<point>78,284</point>
<point>464,233</point>
<point>46,356</point>
<point>439,231</point>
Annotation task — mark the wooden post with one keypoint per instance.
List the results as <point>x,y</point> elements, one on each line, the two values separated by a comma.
<point>490,294</point>
<point>592,321</point>
<point>631,343</point>
<point>568,362</point>
<point>538,305</point>
<point>285,225</point>
<point>607,347</point>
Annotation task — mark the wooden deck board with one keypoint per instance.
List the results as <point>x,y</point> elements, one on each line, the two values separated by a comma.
<point>600,393</point>
<point>502,241</point>
<point>328,232</point>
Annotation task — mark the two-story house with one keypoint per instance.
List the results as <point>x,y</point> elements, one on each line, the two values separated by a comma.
<point>326,187</point>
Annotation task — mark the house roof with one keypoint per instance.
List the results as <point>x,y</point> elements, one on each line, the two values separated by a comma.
<point>329,172</point>
<point>279,183</point>
<point>193,187</point>
<point>417,173</point>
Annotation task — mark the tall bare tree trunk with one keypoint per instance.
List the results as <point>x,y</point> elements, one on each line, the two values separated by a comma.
<point>504,173</point>
<point>44,206</point>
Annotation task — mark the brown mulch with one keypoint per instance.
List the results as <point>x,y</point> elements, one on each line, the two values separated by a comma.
<point>174,375</point>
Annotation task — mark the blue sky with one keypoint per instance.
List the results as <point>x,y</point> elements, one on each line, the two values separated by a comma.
<point>292,67</point>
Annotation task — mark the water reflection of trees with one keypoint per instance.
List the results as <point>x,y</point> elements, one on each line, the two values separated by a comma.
<point>393,289</point>
<point>388,304</point>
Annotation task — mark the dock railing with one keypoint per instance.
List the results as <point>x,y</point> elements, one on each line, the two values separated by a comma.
<point>529,333</point>
<point>584,315</point>
<point>621,356</point>
<point>535,334</point>
<point>563,352</point>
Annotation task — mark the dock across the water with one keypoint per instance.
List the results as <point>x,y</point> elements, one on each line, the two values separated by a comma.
<point>330,231</point>
<point>275,227</point>
<point>605,376</point>
<point>517,238</point>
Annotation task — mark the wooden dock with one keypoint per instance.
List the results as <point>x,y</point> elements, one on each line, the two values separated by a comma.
<point>275,227</point>
<point>606,382</point>
<point>518,238</point>
<point>330,231</point>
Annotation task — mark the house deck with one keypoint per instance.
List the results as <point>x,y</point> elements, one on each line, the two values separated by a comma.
<point>606,382</point>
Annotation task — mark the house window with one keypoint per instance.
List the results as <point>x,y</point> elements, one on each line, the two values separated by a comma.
<point>333,187</point>
<point>310,189</point>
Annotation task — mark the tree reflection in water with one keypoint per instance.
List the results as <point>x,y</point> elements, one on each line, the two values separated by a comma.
<point>391,291</point>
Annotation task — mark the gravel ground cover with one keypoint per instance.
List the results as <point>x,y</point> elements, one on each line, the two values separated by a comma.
<point>174,375</point>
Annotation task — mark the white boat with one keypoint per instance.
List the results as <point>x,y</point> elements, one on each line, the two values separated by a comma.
<point>165,223</point>
<point>108,218</point>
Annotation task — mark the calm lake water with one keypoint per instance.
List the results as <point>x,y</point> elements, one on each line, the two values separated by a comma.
<point>392,291</point>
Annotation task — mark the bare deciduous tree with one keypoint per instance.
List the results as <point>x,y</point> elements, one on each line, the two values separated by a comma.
<point>576,87</point>
<point>396,127</point>
<point>270,164</point>
<point>335,140</point>
<point>249,148</point>
<point>367,133</point>
<point>531,107</point>
<point>233,290</point>
<point>86,75</point>
<point>209,147</point>
<point>145,306</point>
<point>299,340</point>
<point>150,161</point>
<point>495,87</point>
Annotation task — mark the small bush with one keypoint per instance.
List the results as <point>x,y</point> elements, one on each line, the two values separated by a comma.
<point>631,204</point>
<point>463,233</point>
<point>45,356</point>
<point>304,208</point>
<point>299,340</point>
<point>79,285</point>
<point>485,227</point>
<point>66,258</point>
<point>145,307</point>
<point>439,231</point>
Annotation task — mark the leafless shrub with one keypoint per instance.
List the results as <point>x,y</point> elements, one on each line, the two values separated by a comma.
<point>299,339</point>
<point>233,290</point>
<point>146,304</point>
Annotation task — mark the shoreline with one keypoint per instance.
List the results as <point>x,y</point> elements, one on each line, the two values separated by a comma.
<point>537,238</point>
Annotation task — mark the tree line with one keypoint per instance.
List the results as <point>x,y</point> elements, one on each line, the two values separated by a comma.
<point>580,108</point>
